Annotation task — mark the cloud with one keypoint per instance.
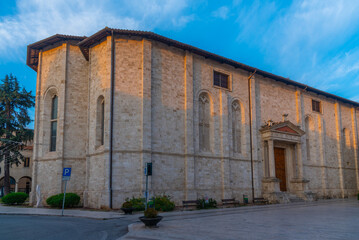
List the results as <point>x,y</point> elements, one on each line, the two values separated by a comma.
<point>310,41</point>
<point>38,19</point>
<point>221,12</point>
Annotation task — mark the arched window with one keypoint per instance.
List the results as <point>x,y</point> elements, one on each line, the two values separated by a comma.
<point>53,120</point>
<point>204,122</point>
<point>236,127</point>
<point>346,138</point>
<point>309,128</point>
<point>100,121</point>
<point>346,144</point>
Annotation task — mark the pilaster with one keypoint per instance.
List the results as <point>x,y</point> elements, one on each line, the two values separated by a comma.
<point>146,108</point>
<point>355,143</point>
<point>338,124</point>
<point>189,177</point>
<point>271,159</point>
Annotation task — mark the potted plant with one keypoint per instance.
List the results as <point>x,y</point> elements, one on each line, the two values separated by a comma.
<point>127,207</point>
<point>151,218</point>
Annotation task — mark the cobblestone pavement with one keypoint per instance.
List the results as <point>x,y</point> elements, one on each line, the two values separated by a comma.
<point>333,219</point>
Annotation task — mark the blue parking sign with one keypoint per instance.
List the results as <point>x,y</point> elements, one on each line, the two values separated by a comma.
<point>66,174</point>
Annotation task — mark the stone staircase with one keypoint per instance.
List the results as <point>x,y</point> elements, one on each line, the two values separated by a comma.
<point>294,198</point>
<point>286,197</point>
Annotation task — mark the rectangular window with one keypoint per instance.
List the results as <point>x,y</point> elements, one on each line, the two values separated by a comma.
<point>316,106</point>
<point>220,80</point>
<point>27,162</point>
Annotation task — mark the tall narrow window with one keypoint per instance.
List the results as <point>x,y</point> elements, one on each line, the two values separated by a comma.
<point>26,162</point>
<point>307,136</point>
<point>53,124</point>
<point>310,138</point>
<point>204,122</point>
<point>236,127</point>
<point>100,121</point>
<point>346,145</point>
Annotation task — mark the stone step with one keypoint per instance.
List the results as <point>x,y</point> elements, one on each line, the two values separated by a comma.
<point>296,199</point>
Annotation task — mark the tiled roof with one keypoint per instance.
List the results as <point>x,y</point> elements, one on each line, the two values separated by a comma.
<point>34,49</point>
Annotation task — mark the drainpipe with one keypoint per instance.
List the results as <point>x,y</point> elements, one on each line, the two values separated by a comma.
<point>250,129</point>
<point>111,115</point>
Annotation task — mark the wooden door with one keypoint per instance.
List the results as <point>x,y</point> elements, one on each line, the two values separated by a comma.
<point>279,156</point>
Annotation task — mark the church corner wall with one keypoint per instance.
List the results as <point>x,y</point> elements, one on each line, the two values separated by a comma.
<point>97,161</point>
<point>62,72</point>
<point>51,81</point>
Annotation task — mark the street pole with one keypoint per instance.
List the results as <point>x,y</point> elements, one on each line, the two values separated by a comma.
<point>63,200</point>
<point>146,191</point>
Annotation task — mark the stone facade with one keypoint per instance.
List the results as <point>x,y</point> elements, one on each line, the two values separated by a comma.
<point>150,88</point>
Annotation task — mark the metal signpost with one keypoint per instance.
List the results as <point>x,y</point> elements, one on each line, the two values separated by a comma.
<point>66,174</point>
<point>148,172</point>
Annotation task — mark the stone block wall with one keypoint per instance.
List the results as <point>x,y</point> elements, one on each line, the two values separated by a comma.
<point>156,119</point>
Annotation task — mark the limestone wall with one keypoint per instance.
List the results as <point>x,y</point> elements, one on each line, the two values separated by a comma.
<point>62,72</point>
<point>97,174</point>
<point>330,165</point>
<point>156,119</point>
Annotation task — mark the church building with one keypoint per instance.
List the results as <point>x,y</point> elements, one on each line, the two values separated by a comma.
<point>109,103</point>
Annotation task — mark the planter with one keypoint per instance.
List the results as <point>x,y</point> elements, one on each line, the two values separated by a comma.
<point>127,210</point>
<point>151,222</point>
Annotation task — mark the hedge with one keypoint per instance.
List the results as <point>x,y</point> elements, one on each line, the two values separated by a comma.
<point>71,200</point>
<point>15,198</point>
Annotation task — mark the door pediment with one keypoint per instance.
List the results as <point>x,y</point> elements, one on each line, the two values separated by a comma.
<point>282,131</point>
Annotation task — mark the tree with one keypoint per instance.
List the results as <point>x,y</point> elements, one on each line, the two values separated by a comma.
<point>14,104</point>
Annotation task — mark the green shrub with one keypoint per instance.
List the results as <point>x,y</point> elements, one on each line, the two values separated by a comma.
<point>71,200</point>
<point>150,213</point>
<point>164,203</point>
<point>127,204</point>
<point>138,204</point>
<point>202,204</point>
<point>15,198</point>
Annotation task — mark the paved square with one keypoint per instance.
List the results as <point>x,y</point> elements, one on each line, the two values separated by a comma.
<point>334,219</point>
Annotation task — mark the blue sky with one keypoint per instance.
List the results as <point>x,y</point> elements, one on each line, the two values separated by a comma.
<point>313,42</point>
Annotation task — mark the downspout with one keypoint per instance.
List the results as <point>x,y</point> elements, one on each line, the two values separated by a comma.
<point>111,115</point>
<point>250,129</point>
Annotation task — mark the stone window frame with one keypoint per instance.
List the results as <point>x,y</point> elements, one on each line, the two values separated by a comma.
<point>320,106</point>
<point>346,145</point>
<point>26,162</point>
<point>208,123</point>
<point>234,133</point>
<point>221,71</point>
<point>100,121</point>
<point>309,136</point>
<point>54,122</point>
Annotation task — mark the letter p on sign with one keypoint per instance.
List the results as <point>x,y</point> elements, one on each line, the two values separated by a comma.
<point>66,173</point>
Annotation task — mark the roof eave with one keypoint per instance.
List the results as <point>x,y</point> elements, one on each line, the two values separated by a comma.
<point>37,46</point>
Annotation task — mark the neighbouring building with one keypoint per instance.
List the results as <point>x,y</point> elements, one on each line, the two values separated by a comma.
<point>109,103</point>
<point>20,176</point>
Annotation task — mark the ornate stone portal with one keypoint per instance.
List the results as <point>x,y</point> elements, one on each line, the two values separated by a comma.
<point>283,165</point>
